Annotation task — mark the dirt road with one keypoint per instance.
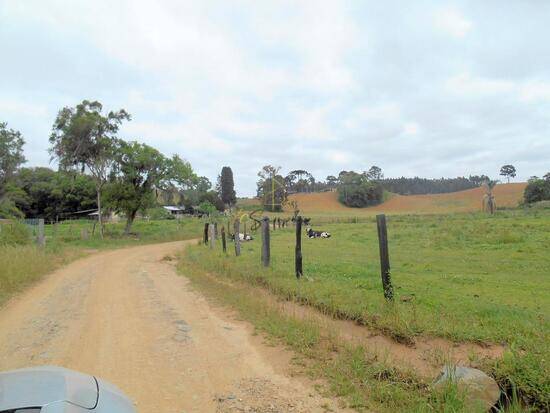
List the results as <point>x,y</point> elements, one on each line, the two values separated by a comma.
<point>125,315</point>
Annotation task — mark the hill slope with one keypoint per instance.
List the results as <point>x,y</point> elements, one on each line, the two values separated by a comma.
<point>506,195</point>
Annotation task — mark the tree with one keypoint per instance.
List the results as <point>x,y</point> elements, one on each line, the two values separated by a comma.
<point>375,173</point>
<point>84,137</point>
<point>489,203</point>
<point>332,181</point>
<point>272,188</point>
<point>138,170</point>
<point>227,187</point>
<point>42,192</point>
<point>356,190</point>
<point>509,171</point>
<point>537,189</point>
<point>11,157</point>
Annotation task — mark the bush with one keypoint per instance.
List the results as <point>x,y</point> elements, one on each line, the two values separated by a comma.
<point>537,190</point>
<point>159,213</point>
<point>14,234</point>
<point>357,191</point>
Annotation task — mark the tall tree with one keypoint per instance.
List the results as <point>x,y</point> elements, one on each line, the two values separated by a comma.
<point>11,157</point>
<point>332,181</point>
<point>272,187</point>
<point>139,169</point>
<point>375,173</point>
<point>227,187</point>
<point>84,137</point>
<point>508,171</point>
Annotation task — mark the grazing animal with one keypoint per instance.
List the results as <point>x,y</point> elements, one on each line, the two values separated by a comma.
<point>242,237</point>
<point>317,234</point>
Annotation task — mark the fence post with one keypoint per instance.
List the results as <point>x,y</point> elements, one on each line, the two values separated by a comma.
<point>274,223</point>
<point>224,245</point>
<point>384,256</point>
<point>41,239</point>
<point>205,235</point>
<point>298,251</point>
<point>211,235</point>
<point>265,242</point>
<point>237,238</point>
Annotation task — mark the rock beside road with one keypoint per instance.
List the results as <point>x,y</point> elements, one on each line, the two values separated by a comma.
<point>479,388</point>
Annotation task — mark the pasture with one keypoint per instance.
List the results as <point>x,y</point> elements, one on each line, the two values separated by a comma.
<point>464,277</point>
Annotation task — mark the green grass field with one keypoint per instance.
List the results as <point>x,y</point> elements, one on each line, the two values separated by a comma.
<point>471,277</point>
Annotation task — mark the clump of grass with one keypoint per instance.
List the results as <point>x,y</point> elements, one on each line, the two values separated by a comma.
<point>14,234</point>
<point>24,264</point>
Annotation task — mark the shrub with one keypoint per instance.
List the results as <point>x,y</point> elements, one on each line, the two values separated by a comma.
<point>159,213</point>
<point>537,189</point>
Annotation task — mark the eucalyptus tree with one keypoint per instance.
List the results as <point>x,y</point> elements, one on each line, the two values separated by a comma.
<point>11,157</point>
<point>84,137</point>
<point>140,169</point>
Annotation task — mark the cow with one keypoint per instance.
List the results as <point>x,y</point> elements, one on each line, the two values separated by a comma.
<point>317,234</point>
<point>242,237</point>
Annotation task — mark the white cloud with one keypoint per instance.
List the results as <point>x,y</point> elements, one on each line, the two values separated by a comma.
<point>535,91</point>
<point>322,85</point>
<point>468,84</point>
<point>410,128</point>
<point>18,107</point>
<point>452,22</point>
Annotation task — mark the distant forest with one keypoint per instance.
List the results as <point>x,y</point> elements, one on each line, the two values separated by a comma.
<point>418,186</point>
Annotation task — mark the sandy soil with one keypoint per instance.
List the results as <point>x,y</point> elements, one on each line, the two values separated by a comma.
<point>506,195</point>
<point>126,316</point>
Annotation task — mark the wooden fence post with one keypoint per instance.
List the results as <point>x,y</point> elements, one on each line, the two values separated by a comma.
<point>265,242</point>
<point>237,238</point>
<point>298,251</point>
<point>384,256</point>
<point>274,223</point>
<point>211,235</point>
<point>224,245</point>
<point>41,239</point>
<point>205,236</point>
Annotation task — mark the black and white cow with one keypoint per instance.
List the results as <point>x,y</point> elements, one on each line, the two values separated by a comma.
<point>242,237</point>
<point>317,234</point>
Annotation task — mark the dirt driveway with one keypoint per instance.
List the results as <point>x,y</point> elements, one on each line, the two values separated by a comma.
<point>125,315</point>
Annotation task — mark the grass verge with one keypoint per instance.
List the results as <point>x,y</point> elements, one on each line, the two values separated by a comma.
<point>362,381</point>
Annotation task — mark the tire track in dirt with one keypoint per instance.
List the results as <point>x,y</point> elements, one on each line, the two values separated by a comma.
<point>126,316</point>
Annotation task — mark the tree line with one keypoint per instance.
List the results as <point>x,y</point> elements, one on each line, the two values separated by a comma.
<point>358,189</point>
<point>98,170</point>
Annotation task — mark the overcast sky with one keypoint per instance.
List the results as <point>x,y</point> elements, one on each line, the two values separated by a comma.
<point>427,88</point>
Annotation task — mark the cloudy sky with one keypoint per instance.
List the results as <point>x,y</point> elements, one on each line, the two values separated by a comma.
<point>427,88</point>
